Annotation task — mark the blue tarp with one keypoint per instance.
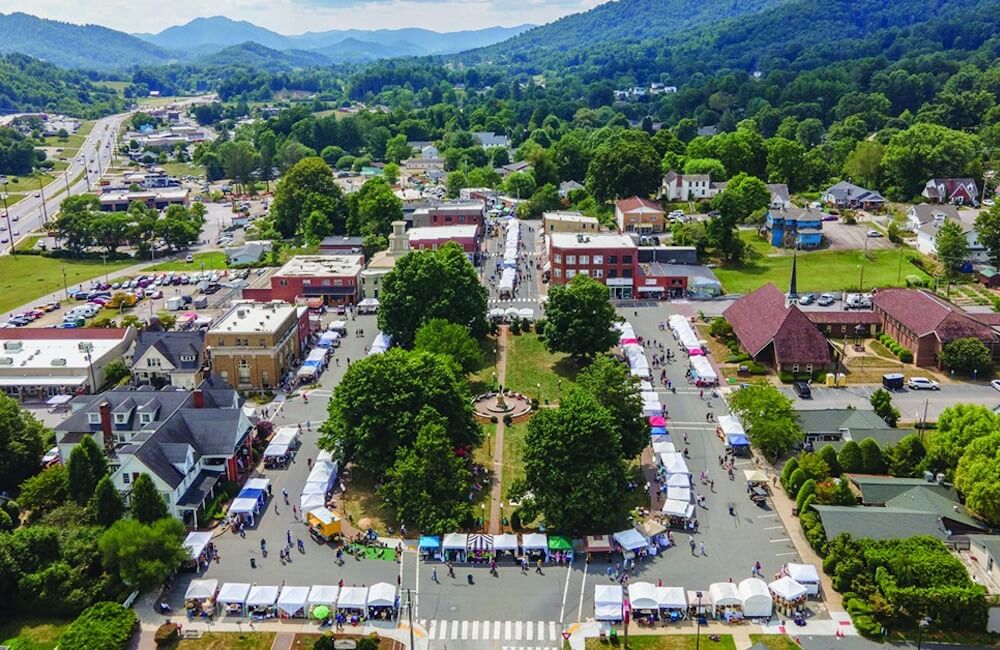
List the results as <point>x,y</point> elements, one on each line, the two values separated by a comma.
<point>657,431</point>
<point>736,440</point>
<point>661,438</point>
<point>251,493</point>
<point>427,542</point>
<point>311,364</point>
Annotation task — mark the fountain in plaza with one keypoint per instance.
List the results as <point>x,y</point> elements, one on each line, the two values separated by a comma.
<point>499,404</point>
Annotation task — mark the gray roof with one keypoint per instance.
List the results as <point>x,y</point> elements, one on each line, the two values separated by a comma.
<point>879,523</point>
<point>794,213</point>
<point>821,421</point>
<point>878,490</point>
<point>695,273</point>
<point>173,346</point>
<point>990,542</point>
<point>924,499</point>
<point>847,191</point>
<point>341,241</point>
<point>253,251</point>
<point>925,212</point>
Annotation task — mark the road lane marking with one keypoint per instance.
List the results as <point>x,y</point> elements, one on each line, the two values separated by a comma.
<point>583,587</point>
<point>465,629</point>
<point>780,539</point>
<point>529,630</point>
<point>518,630</point>
<point>506,629</point>
<point>562,609</point>
<point>496,630</point>
<point>774,528</point>
<point>475,630</point>
<point>784,554</point>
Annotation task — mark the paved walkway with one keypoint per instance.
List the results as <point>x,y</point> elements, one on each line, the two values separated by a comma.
<point>283,641</point>
<point>496,493</point>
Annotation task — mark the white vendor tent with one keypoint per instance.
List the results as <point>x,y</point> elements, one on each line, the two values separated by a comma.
<point>731,426</point>
<point>703,369</point>
<point>787,589</point>
<point>640,372</point>
<point>233,594</point>
<point>631,539</point>
<point>535,542</point>
<point>259,483</point>
<point>674,463</point>
<point>284,436</point>
<point>664,448</point>
<point>756,598</point>
<point>323,472</point>
<point>642,595</point>
<point>201,589</point>
<point>671,597</point>
<point>314,488</point>
<point>262,596</point>
<point>505,542</point>
<point>678,480</point>
<point>724,594</point>
<point>806,575</point>
<point>292,600</point>
<point>324,595</point>
<point>196,542</point>
<point>608,602</point>
<point>646,387</point>
<point>274,450</point>
<point>309,502</point>
<point>455,542</point>
<point>352,598</point>
<point>242,506</point>
<point>526,313</point>
<point>639,361</point>
<point>381,594</point>
<point>681,494</point>
<point>675,508</point>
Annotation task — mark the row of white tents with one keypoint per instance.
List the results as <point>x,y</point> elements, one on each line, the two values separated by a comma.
<point>241,598</point>
<point>508,276</point>
<point>319,482</point>
<point>685,334</point>
<point>284,440</point>
<point>638,365</point>
<point>753,597</point>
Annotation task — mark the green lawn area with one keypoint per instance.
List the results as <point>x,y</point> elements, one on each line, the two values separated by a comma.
<point>182,169</point>
<point>154,102</point>
<point>212,260</point>
<point>483,379</point>
<point>118,86</point>
<point>513,456</point>
<point>71,144</point>
<point>13,198</point>
<point>26,278</point>
<point>774,641</point>
<point>32,634</point>
<point>229,641</point>
<point>666,642</point>
<point>530,364</point>
<point>26,184</point>
<point>818,270</point>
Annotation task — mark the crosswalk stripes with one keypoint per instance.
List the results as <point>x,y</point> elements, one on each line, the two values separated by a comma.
<point>504,301</point>
<point>507,631</point>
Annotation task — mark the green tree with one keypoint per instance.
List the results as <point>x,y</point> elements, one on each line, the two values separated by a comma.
<point>86,467</point>
<point>906,456</point>
<point>929,151</point>
<point>520,185</point>
<point>384,399</point>
<point>390,172</point>
<point>579,318</point>
<point>46,490</point>
<point>439,336</point>
<point>951,245</point>
<point>958,426</point>
<point>871,457</point>
<point>432,284</point>
<point>786,163</point>
<point>105,625</point>
<point>544,199</point>
<point>143,555</point>
<point>881,401</point>
<point>742,196</point>
<point>978,477</point>
<point>968,356</point>
<point>613,386</point>
<point>769,419</point>
<point>240,161</point>
<point>864,163</point>
<point>428,485</point>
<point>814,466</point>
<point>147,504</point>
<point>296,196</point>
<point>572,470</point>
<point>106,503</point>
<point>711,166</point>
<point>396,149</point>
<point>988,230</point>
<point>375,207</point>
<point>624,165</point>
<point>829,456</point>
<point>456,181</point>
<point>22,443</point>
<point>115,371</point>
<point>807,489</point>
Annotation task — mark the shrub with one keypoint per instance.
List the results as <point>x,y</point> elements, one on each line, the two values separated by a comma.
<point>13,509</point>
<point>786,377</point>
<point>795,481</point>
<point>368,643</point>
<point>515,520</point>
<point>507,420</point>
<point>867,626</point>
<point>905,356</point>
<point>167,634</point>
<point>107,626</point>
<point>515,327</point>
<point>540,328</point>
<point>325,642</point>
<point>755,368</point>
<point>808,489</point>
<point>720,328</point>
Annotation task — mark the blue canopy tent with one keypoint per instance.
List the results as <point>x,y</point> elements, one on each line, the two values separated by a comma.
<point>657,431</point>
<point>429,546</point>
<point>660,438</point>
<point>739,443</point>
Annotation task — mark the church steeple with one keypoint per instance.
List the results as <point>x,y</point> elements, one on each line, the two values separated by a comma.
<point>793,294</point>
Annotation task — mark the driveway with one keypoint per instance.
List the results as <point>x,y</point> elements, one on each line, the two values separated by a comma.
<point>847,237</point>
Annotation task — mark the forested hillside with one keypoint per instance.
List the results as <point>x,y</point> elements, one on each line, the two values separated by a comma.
<point>27,84</point>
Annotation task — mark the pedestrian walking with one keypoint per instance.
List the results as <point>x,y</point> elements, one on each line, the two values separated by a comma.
<point>538,567</point>
<point>434,575</point>
<point>288,533</point>
<point>691,542</point>
<point>295,512</point>
<point>702,546</point>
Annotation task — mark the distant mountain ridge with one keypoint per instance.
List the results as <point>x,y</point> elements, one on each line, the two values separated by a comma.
<point>99,48</point>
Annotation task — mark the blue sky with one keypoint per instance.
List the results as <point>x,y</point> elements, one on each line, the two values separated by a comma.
<point>297,16</point>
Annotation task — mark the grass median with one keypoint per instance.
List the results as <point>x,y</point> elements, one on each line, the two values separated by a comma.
<point>27,278</point>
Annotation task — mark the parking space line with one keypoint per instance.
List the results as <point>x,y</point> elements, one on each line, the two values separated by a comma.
<point>562,609</point>
<point>773,514</point>
<point>775,528</point>
<point>784,554</point>
<point>780,539</point>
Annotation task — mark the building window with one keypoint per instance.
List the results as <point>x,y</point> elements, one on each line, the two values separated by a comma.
<point>262,343</point>
<point>119,418</point>
<point>626,259</point>
<point>282,282</point>
<point>612,259</point>
<point>338,283</point>
<point>598,273</point>
<point>570,273</point>
<point>584,260</point>
<point>93,418</point>
<point>557,272</point>
<point>809,368</point>
<point>612,273</point>
<point>224,374</point>
<point>126,479</point>
<point>153,363</point>
<point>557,258</point>
<point>244,371</point>
<point>307,283</point>
<point>795,368</point>
<point>326,283</point>
<point>584,271</point>
<point>626,273</point>
<point>571,259</point>
<point>598,259</point>
<point>145,418</point>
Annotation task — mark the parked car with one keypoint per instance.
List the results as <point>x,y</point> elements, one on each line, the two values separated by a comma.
<point>922,383</point>
<point>189,258</point>
<point>874,233</point>
<point>802,389</point>
<point>989,203</point>
<point>51,457</point>
<point>995,384</point>
<point>807,299</point>
<point>826,300</point>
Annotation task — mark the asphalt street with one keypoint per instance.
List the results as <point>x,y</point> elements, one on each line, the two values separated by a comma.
<point>916,405</point>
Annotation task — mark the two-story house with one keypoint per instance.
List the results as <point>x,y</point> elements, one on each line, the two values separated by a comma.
<point>927,233</point>
<point>161,358</point>
<point>794,226</point>
<point>848,195</point>
<point>640,215</point>
<point>687,187</point>
<point>186,441</point>
<point>962,191</point>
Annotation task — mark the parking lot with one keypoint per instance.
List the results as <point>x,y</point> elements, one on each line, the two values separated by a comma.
<point>853,237</point>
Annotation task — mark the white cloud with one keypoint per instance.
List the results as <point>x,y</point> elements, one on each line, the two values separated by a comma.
<point>298,16</point>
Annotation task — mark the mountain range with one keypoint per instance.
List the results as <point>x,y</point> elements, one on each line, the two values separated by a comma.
<point>99,48</point>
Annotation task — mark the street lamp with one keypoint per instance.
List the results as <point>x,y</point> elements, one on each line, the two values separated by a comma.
<point>697,623</point>
<point>6,214</point>
<point>922,625</point>
<point>539,387</point>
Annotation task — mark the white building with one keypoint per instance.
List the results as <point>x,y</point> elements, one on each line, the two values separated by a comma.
<point>927,235</point>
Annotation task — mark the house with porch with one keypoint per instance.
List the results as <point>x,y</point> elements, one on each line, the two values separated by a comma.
<point>960,191</point>
<point>794,226</point>
<point>847,195</point>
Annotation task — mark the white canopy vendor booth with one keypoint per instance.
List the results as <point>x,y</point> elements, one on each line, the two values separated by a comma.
<point>608,603</point>
<point>631,540</point>
<point>535,546</point>
<point>233,598</point>
<point>756,598</point>
<point>725,599</point>
<point>674,463</point>
<point>455,546</point>
<point>682,511</point>
<point>199,599</point>
<point>673,600</point>
<point>260,601</point>
<point>788,594</point>
<point>806,575</point>
<point>505,543</point>
<point>325,595</point>
<point>196,544</point>
<point>643,601</point>
<point>704,374</point>
<point>382,601</point>
<point>353,600</point>
<point>292,601</point>
<point>678,480</point>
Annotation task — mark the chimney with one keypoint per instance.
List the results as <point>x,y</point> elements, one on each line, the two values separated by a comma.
<point>109,439</point>
<point>199,398</point>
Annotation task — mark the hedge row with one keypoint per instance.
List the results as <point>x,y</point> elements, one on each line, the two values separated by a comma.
<point>905,355</point>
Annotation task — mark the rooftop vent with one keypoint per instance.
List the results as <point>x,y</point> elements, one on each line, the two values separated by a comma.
<point>59,362</point>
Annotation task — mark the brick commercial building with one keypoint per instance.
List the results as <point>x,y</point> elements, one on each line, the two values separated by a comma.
<point>334,278</point>
<point>449,214</point>
<point>255,344</point>
<point>607,257</point>
<point>639,215</point>
<point>924,323</point>
<point>569,222</point>
<point>433,237</point>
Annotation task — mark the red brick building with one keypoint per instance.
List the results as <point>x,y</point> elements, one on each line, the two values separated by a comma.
<point>608,257</point>
<point>334,278</point>
<point>449,214</point>
<point>433,237</point>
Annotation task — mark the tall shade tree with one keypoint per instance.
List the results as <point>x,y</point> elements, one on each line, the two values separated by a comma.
<point>572,468</point>
<point>383,400</point>
<point>451,340</point>
<point>45,491</point>
<point>625,165</point>
<point>978,476</point>
<point>579,318</point>
<point>613,386</point>
<point>428,485</point>
<point>106,504</point>
<point>957,427</point>
<point>864,164</point>
<point>929,151</point>
<point>86,467</point>
<point>142,555</point>
<point>147,504</point>
<point>967,356</point>
<point>988,229</point>
<point>430,284</point>
<point>22,443</point>
<point>952,246</point>
<point>296,196</point>
<point>769,419</point>
<point>374,207</point>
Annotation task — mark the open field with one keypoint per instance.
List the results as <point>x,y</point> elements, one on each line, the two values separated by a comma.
<point>818,271</point>
<point>529,365</point>
<point>28,183</point>
<point>182,169</point>
<point>229,641</point>
<point>212,260</point>
<point>154,102</point>
<point>26,278</point>
<point>118,86</point>
<point>32,634</point>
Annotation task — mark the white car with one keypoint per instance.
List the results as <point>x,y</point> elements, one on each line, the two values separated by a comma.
<point>995,384</point>
<point>989,203</point>
<point>922,383</point>
<point>51,457</point>
<point>826,300</point>
<point>874,233</point>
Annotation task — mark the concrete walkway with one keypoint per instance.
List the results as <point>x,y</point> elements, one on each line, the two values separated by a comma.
<point>496,493</point>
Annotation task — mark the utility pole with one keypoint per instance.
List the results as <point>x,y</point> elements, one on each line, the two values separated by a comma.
<point>6,214</point>
<point>45,210</point>
<point>409,610</point>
